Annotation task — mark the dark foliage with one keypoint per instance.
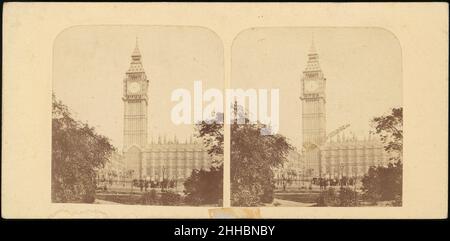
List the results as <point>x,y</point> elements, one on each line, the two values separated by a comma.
<point>327,198</point>
<point>383,183</point>
<point>204,186</point>
<point>346,197</point>
<point>254,155</point>
<point>77,152</point>
<point>390,129</point>
<point>170,198</point>
<point>150,198</point>
<point>211,133</point>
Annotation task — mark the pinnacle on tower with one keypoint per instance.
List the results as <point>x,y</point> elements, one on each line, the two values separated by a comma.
<point>313,58</point>
<point>136,53</point>
<point>312,49</point>
<point>136,64</point>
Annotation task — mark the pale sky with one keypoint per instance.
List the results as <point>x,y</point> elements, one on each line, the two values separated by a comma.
<point>90,64</point>
<point>362,67</point>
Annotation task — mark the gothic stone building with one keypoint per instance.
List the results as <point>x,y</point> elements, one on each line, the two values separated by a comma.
<point>347,157</point>
<point>351,157</point>
<point>162,159</point>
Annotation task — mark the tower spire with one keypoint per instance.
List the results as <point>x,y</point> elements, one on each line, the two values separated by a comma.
<point>312,49</point>
<point>136,63</point>
<point>136,52</point>
<point>313,57</point>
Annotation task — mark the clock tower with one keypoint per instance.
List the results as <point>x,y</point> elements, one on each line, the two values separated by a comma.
<point>313,111</point>
<point>135,99</point>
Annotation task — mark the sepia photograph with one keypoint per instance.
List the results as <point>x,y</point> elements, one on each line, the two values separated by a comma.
<point>339,104</point>
<point>113,138</point>
<point>224,111</point>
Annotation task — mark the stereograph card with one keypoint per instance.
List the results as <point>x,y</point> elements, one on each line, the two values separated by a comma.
<point>243,110</point>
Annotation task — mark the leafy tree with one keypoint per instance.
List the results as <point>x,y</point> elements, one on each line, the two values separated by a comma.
<point>206,186</point>
<point>150,198</point>
<point>327,198</point>
<point>384,183</point>
<point>345,198</point>
<point>245,198</point>
<point>211,133</point>
<point>348,197</point>
<point>77,153</point>
<point>170,198</point>
<point>390,129</point>
<point>254,156</point>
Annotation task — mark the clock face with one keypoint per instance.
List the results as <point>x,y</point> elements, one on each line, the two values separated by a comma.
<point>311,86</point>
<point>134,87</point>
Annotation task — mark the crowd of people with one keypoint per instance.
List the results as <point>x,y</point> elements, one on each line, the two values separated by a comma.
<point>323,183</point>
<point>142,184</point>
<point>145,184</point>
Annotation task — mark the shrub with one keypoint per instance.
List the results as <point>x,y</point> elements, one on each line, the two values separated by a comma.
<point>193,200</point>
<point>345,198</point>
<point>170,198</point>
<point>150,198</point>
<point>89,197</point>
<point>327,198</point>
<point>383,183</point>
<point>268,193</point>
<point>244,198</point>
<point>398,201</point>
<point>204,186</point>
<point>348,197</point>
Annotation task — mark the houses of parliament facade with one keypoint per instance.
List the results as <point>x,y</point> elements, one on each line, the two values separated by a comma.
<point>160,159</point>
<point>331,156</point>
